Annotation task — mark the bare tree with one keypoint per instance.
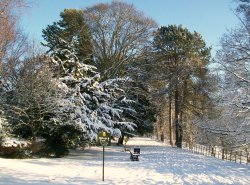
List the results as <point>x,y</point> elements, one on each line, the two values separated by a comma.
<point>119,33</point>
<point>234,58</point>
<point>233,98</point>
<point>12,41</point>
<point>7,6</point>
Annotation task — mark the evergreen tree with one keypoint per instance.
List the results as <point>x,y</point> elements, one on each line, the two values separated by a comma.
<point>180,64</point>
<point>136,89</point>
<point>83,102</point>
<point>71,28</point>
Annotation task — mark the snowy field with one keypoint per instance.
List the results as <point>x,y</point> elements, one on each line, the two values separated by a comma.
<point>159,164</point>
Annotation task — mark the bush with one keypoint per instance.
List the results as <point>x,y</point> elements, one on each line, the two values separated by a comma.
<point>14,148</point>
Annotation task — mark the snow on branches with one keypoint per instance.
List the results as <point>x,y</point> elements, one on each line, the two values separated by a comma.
<point>83,101</point>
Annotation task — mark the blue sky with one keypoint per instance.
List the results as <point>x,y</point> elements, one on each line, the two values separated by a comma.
<point>210,18</point>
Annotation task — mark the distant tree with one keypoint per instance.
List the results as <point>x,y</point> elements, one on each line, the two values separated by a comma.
<point>73,29</point>
<point>119,33</point>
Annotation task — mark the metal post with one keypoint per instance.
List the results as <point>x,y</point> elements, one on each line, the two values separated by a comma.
<point>248,158</point>
<point>240,156</point>
<point>103,164</point>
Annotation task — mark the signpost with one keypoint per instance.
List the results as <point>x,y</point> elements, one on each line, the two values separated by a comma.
<point>103,138</point>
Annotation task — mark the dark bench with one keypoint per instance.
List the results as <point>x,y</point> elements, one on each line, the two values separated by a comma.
<point>135,155</point>
<point>137,150</point>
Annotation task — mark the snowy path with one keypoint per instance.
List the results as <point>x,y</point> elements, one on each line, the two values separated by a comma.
<point>159,164</point>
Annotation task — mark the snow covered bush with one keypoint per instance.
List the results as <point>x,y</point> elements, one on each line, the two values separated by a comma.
<point>14,148</point>
<point>28,103</point>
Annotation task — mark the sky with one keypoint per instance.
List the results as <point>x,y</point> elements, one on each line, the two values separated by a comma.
<point>210,18</point>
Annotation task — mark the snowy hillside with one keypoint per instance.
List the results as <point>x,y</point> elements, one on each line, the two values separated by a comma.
<point>158,164</point>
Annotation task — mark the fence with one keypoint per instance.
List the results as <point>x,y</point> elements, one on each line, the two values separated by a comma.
<point>241,157</point>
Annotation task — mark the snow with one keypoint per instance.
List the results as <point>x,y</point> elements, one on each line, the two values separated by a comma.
<point>14,142</point>
<point>158,164</point>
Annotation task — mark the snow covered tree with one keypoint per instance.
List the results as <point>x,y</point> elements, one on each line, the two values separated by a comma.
<point>83,102</point>
<point>68,28</point>
<point>233,62</point>
<point>27,102</point>
<point>234,58</point>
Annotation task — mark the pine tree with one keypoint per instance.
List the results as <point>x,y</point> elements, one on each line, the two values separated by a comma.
<point>180,68</point>
<point>72,29</point>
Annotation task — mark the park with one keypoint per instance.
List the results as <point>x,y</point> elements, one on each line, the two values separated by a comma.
<point>124,92</point>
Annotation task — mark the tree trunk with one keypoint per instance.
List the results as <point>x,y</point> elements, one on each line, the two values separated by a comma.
<point>179,144</point>
<point>188,130</point>
<point>120,140</point>
<point>170,121</point>
<point>181,101</point>
<point>176,118</point>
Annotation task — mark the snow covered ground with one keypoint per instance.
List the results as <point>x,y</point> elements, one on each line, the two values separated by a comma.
<point>159,164</point>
